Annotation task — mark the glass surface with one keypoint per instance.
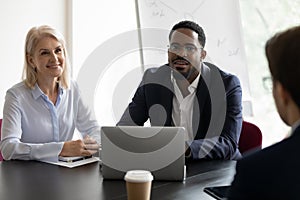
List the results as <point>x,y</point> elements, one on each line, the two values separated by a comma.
<point>260,20</point>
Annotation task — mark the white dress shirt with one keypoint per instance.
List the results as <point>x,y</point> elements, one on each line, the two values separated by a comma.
<point>182,111</point>
<point>35,129</point>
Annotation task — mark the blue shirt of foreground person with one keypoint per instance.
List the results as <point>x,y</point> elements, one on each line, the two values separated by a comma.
<point>41,113</point>
<point>273,173</point>
<point>190,93</point>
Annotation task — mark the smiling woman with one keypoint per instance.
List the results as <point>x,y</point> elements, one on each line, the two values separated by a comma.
<point>55,103</point>
<point>45,50</point>
<point>48,61</point>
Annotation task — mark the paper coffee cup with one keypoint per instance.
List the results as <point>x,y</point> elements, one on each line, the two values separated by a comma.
<point>138,184</point>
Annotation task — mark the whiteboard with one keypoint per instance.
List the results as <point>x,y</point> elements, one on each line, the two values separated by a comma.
<point>221,22</point>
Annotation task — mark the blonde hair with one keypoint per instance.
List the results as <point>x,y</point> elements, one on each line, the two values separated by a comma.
<point>34,35</point>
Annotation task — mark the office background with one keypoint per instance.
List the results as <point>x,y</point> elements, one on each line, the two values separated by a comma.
<point>89,24</point>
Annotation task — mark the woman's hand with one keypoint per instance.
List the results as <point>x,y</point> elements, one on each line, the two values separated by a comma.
<point>91,145</point>
<point>85,147</point>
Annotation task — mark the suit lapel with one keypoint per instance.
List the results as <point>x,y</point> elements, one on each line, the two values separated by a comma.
<point>202,95</point>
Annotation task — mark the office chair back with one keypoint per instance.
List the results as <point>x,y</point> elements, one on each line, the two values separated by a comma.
<point>250,138</point>
<point>1,158</point>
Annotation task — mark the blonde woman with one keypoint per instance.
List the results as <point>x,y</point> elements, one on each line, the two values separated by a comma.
<point>41,113</point>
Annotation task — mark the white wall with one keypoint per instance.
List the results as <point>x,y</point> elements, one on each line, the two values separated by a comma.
<point>16,18</point>
<point>100,65</point>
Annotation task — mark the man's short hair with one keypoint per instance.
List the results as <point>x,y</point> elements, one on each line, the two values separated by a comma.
<point>193,26</point>
<point>283,54</point>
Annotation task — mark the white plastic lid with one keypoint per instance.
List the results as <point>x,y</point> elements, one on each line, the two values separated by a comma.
<point>138,176</point>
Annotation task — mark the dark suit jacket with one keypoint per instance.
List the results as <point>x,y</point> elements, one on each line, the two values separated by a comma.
<point>217,112</point>
<point>272,173</point>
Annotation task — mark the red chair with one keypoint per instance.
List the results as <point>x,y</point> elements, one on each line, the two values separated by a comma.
<point>1,158</point>
<point>250,139</point>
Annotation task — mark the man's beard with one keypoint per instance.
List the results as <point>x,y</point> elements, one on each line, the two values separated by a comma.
<point>179,75</point>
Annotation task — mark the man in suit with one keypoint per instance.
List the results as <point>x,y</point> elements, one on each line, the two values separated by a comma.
<point>273,173</point>
<point>191,93</point>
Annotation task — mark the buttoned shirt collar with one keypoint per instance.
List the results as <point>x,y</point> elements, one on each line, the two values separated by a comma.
<point>192,87</point>
<point>37,92</point>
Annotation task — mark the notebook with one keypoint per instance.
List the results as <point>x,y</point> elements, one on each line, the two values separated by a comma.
<point>160,150</point>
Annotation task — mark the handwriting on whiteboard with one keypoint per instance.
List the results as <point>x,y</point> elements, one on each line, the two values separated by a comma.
<point>164,9</point>
<point>159,8</point>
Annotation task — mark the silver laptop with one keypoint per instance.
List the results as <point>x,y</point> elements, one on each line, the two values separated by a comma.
<point>157,149</point>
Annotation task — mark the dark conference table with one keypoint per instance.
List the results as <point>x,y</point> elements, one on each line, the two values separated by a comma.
<point>31,180</point>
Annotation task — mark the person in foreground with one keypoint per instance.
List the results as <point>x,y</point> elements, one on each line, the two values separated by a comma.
<point>273,173</point>
<point>196,95</point>
<point>41,113</point>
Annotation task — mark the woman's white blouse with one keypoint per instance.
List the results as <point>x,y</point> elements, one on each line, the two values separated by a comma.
<point>35,129</point>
